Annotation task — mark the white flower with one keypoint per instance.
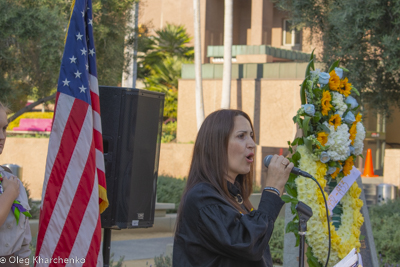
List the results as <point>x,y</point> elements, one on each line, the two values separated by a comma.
<point>359,141</point>
<point>338,103</point>
<point>338,142</point>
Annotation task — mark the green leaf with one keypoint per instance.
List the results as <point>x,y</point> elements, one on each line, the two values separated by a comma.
<point>317,117</point>
<point>325,128</point>
<point>297,239</point>
<point>296,141</point>
<point>308,144</point>
<point>303,92</point>
<point>292,227</point>
<point>312,59</point>
<point>344,69</point>
<point>311,260</point>
<point>305,125</point>
<point>334,65</point>
<point>355,90</point>
<point>295,119</point>
<point>300,142</point>
<point>293,209</point>
<point>289,199</point>
<point>291,191</point>
<point>295,158</point>
<point>292,177</point>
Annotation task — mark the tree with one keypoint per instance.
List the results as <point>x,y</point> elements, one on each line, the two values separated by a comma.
<point>364,35</point>
<point>227,73</point>
<point>161,63</point>
<point>172,40</point>
<point>197,65</point>
<point>32,42</point>
<point>110,27</point>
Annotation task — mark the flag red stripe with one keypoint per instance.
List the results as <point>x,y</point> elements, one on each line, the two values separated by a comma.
<point>95,246</point>
<point>98,140</point>
<point>95,102</point>
<point>77,210</point>
<point>67,145</point>
<point>102,178</point>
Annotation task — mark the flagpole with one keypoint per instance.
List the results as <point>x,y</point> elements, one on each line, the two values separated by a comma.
<point>106,246</point>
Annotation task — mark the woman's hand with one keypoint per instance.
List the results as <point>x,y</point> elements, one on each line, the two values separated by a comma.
<point>11,186</point>
<point>278,172</point>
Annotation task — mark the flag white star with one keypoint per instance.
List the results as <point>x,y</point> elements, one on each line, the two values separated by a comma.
<point>90,22</point>
<point>83,13</point>
<point>82,88</point>
<point>66,82</point>
<point>84,51</point>
<point>91,52</point>
<point>87,66</point>
<point>77,74</point>
<point>73,59</point>
<point>79,36</point>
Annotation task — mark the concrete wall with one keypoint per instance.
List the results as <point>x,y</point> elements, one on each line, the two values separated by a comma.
<point>31,153</point>
<point>391,174</point>
<point>271,104</point>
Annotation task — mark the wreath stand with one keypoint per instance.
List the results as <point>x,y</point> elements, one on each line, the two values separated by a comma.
<point>305,213</point>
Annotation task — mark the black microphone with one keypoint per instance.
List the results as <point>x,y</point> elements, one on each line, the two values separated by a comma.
<point>297,171</point>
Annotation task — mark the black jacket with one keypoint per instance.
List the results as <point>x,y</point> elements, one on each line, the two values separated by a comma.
<point>213,233</point>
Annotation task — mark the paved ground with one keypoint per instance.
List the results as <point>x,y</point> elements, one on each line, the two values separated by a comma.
<point>139,249</point>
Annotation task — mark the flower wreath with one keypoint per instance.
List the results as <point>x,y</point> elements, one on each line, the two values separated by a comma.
<point>332,139</point>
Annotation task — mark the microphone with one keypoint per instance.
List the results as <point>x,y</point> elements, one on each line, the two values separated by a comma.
<point>297,171</point>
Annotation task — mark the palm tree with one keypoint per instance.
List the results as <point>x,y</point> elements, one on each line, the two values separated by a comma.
<point>227,73</point>
<point>197,64</point>
<point>162,63</point>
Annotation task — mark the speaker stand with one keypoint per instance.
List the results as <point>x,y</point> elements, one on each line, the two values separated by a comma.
<point>106,246</point>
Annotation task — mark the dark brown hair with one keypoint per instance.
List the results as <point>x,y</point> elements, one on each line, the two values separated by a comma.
<point>210,158</point>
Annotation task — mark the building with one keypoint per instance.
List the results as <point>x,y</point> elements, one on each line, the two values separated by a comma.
<point>268,59</point>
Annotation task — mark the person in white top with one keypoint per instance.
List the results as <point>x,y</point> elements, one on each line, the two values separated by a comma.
<point>14,237</point>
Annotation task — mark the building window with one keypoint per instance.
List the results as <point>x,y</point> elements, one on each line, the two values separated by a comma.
<point>291,37</point>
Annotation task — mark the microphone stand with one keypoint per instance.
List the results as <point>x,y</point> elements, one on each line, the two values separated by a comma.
<point>305,213</point>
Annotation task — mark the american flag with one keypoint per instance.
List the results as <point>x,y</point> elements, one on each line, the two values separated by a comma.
<point>74,188</point>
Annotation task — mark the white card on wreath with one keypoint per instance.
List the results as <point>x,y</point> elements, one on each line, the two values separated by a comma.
<point>342,187</point>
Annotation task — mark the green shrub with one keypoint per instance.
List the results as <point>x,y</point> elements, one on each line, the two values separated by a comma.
<point>169,132</point>
<point>169,190</point>
<point>30,115</point>
<point>162,261</point>
<point>276,241</point>
<point>385,228</point>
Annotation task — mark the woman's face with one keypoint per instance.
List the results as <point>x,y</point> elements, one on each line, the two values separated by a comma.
<point>3,127</point>
<point>240,148</point>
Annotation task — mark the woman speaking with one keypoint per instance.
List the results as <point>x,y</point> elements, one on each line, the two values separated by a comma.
<point>217,225</point>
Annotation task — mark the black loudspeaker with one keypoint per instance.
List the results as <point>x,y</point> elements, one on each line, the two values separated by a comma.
<point>131,124</point>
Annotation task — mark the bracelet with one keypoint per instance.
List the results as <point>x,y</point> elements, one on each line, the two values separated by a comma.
<point>273,189</point>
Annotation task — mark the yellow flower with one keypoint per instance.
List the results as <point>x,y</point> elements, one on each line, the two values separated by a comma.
<point>335,120</point>
<point>321,170</point>
<point>353,132</point>
<point>326,102</point>
<point>358,118</point>
<point>334,81</point>
<point>322,138</point>
<point>348,165</point>
<point>333,175</point>
<point>345,87</point>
